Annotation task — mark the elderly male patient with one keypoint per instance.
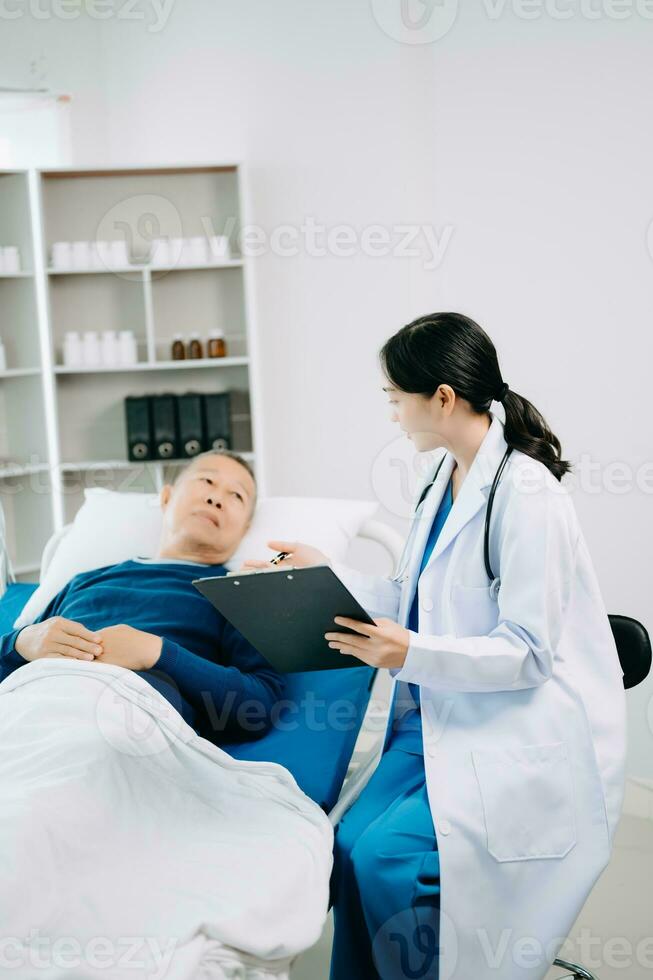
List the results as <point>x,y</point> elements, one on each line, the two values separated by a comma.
<point>146,615</point>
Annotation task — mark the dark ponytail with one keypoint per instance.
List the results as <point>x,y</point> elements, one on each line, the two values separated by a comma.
<point>451,349</point>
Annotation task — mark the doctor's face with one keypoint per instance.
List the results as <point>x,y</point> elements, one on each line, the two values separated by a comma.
<point>423,419</point>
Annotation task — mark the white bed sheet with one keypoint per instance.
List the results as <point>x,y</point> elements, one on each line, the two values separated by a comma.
<point>118,823</point>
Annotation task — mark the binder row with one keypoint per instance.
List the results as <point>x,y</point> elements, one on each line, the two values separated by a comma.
<point>172,426</point>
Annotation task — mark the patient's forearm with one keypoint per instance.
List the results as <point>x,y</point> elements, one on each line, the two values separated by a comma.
<point>235,703</point>
<point>10,659</point>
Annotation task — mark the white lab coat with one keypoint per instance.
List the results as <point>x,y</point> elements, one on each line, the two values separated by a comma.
<point>523,713</point>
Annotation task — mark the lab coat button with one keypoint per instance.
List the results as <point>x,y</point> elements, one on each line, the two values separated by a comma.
<point>444,827</point>
<point>427,604</point>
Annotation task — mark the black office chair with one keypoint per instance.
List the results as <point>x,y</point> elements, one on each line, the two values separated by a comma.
<point>634,649</point>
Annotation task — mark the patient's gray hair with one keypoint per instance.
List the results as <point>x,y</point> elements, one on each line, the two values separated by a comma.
<point>230,454</point>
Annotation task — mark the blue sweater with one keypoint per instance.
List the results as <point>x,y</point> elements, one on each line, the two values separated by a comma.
<point>220,684</point>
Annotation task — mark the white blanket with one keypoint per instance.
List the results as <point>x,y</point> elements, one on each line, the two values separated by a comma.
<point>130,847</point>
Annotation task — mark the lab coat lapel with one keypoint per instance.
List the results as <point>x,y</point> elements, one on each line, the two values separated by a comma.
<point>423,521</point>
<point>474,491</point>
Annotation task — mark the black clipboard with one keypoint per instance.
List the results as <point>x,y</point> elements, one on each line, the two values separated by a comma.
<point>286,612</point>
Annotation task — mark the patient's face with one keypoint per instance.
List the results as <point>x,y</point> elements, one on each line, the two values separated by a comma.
<point>207,510</point>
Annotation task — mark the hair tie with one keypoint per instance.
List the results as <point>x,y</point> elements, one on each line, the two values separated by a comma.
<point>502,392</point>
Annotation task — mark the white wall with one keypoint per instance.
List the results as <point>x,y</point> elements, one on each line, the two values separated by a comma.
<point>530,139</point>
<point>63,55</point>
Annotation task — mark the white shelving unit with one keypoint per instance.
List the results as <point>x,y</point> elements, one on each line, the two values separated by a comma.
<point>62,429</point>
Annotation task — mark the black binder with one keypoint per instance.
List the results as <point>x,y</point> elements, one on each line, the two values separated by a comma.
<point>138,421</point>
<point>217,420</point>
<point>164,426</point>
<point>191,424</point>
<point>285,613</point>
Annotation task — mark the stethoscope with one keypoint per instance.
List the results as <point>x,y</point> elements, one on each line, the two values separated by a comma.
<point>403,561</point>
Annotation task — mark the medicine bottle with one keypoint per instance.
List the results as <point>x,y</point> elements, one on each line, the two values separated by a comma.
<point>217,344</point>
<point>178,349</point>
<point>195,346</point>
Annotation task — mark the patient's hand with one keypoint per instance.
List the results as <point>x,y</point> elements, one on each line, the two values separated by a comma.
<point>301,556</point>
<point>128,647</point>
<point>58,637</point>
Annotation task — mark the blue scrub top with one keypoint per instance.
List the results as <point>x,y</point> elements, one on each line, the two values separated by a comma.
<point>407,731</point>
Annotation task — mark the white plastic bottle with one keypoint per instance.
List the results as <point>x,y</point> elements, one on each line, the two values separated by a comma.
<point>197,250</point>
<point>62,257</point>
<point>72,349</point>
<point>127,350</point>
<point>91,348</point>
<point>109,348</point>
<point>11,259</point>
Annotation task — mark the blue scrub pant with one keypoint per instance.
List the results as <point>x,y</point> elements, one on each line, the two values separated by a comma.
<point>385,887</point>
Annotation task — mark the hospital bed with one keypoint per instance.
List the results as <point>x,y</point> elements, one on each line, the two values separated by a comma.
<point>331,759</point>
<point>332,762</point>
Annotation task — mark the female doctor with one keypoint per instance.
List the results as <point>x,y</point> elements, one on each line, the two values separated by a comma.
<point>493,808</point>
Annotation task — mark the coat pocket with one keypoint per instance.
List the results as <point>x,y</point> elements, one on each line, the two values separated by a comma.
<point>528,800</point>
<point>475,611</point>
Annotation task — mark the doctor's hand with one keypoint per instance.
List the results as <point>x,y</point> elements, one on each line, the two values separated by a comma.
<point>382,645</point>
<point>128,647</point>
<point>301,556</point>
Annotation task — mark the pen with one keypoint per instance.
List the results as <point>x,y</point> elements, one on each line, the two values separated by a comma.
<point>280,557</point>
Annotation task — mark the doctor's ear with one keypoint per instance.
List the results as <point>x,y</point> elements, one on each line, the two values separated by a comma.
<point>446,398</point>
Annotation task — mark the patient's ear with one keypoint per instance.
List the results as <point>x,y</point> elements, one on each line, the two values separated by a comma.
<point>164,496</point>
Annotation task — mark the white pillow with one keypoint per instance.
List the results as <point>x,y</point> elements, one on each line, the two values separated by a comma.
<point>111,527</point>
